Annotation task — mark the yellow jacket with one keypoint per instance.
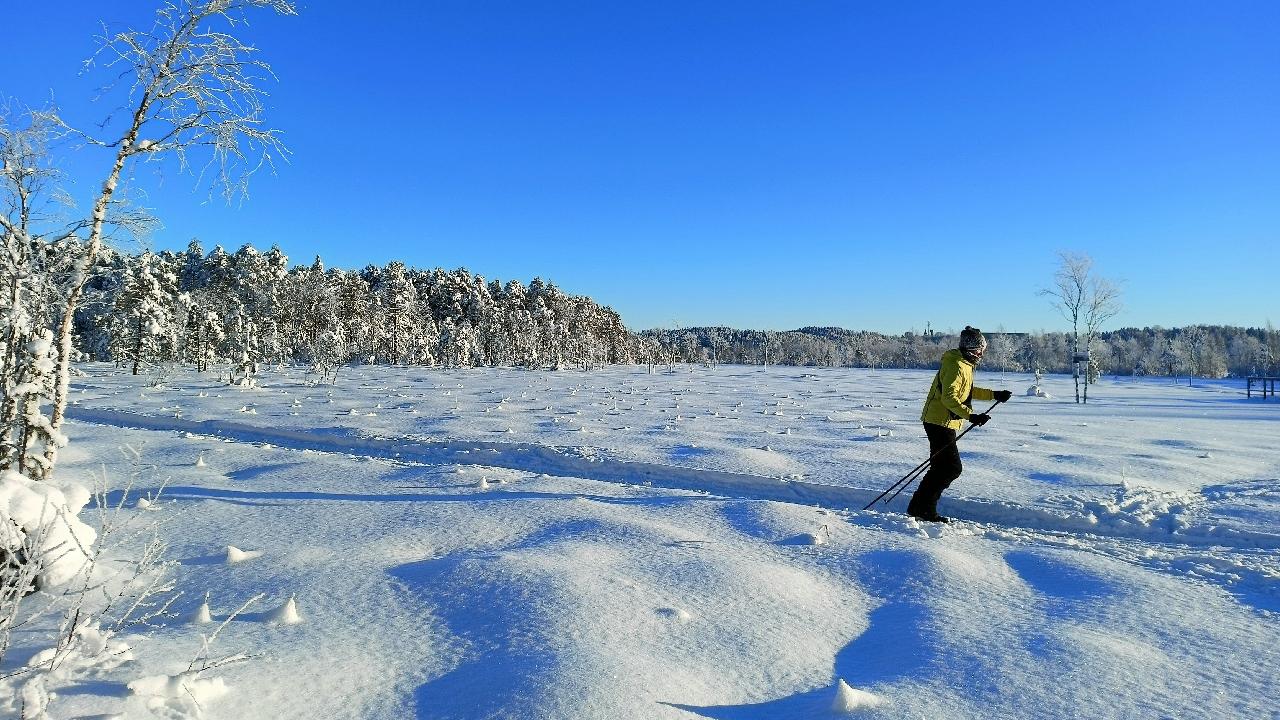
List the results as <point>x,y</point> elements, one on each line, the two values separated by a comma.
<point>952,393</point>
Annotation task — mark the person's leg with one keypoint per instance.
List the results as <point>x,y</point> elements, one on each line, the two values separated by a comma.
<point>943,469</point>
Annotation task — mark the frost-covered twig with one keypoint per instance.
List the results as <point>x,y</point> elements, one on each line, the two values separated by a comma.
<point>202,657</point>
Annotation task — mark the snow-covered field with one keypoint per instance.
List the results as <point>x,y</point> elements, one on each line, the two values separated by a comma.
<point>618,544</point>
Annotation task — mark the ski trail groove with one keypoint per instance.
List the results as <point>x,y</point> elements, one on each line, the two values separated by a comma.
<point>543,459</point>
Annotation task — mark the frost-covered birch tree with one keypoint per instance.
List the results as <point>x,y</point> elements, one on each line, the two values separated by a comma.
<point>1271,350</point>
<point>191,90</point>
<point>1086,300</point>
<point>27,179</point>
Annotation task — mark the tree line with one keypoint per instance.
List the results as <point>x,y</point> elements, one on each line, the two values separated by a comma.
<point>249,308</point>
<point>241,310</point>
<point>1209,351</point>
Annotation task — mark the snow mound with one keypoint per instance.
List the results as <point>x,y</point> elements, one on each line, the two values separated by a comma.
<point>850,700</point>
<point>236,555</point>
<point>286,614</point>
<point>90,648</point>
<point>679,615</point>
<point>1037,391</point>
<point>181,695</point>
<point>808,538</point>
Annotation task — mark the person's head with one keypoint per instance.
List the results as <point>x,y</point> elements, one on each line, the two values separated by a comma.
<point>972,343</point>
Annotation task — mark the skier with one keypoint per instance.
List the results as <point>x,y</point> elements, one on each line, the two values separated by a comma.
<point>949,404</point>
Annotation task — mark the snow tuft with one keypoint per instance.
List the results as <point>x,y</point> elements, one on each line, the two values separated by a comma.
<point>202,615</point>
<point>236,555</point>
<point>850,700</point>
<point>286,614</point>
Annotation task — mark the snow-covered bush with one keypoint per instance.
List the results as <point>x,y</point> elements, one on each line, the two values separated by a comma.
<point>1035,390</point>
<point>40,521</point>
<point>77,584</point>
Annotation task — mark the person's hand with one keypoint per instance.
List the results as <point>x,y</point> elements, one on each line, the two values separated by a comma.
<point>979,418</point>
<point>1003,396</point>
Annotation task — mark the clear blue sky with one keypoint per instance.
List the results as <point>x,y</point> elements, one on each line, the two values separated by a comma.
<point>768,165</point>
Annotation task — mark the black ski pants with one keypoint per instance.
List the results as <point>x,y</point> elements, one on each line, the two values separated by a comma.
<point>944,468</point>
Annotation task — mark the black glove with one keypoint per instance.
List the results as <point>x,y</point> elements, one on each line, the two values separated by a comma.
<point>979,418</point>
<point>1003,395</point>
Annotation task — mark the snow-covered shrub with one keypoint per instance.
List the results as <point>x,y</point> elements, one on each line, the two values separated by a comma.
<point>1035,390</point>
<point>40,522</point>
<point>96,580</point>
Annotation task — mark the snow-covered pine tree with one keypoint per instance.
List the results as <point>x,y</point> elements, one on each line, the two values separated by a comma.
<point>250,323</point>
<point>144,322</point>
<point>274,268</point>
<point>518,326</point>
<point>479,311</point>
<point>541,300</point>
<point>452,350</point>
<point>355,311</point>
<point>221,298</point>
<point>241,344</point>
<point>245,341</point>
<point>426,341</point>
<point>203,332</point>
<point>193,274</point>
<point>306,313</point>
<point>401,313</point>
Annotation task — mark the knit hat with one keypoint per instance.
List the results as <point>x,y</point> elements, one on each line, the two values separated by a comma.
<point>971,339</point>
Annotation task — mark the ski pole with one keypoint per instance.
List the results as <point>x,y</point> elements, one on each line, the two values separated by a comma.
<point>902,483</point>
<point>921,471</point>
<point>931,457</point>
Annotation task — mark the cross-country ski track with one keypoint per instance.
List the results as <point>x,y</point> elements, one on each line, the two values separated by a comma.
<point>545,460</point>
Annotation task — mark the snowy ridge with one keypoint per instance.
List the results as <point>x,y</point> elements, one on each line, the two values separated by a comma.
<point>1132,513</point>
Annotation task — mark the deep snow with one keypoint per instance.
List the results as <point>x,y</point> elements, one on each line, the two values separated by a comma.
<point>618,544</point>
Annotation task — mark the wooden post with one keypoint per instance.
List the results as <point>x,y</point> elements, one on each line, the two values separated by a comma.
<point>1266,386</point>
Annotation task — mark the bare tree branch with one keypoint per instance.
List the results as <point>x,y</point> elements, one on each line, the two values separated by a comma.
<point>194,89</point>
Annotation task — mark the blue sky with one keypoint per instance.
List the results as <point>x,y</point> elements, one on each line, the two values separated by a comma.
<point>752,164</point>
